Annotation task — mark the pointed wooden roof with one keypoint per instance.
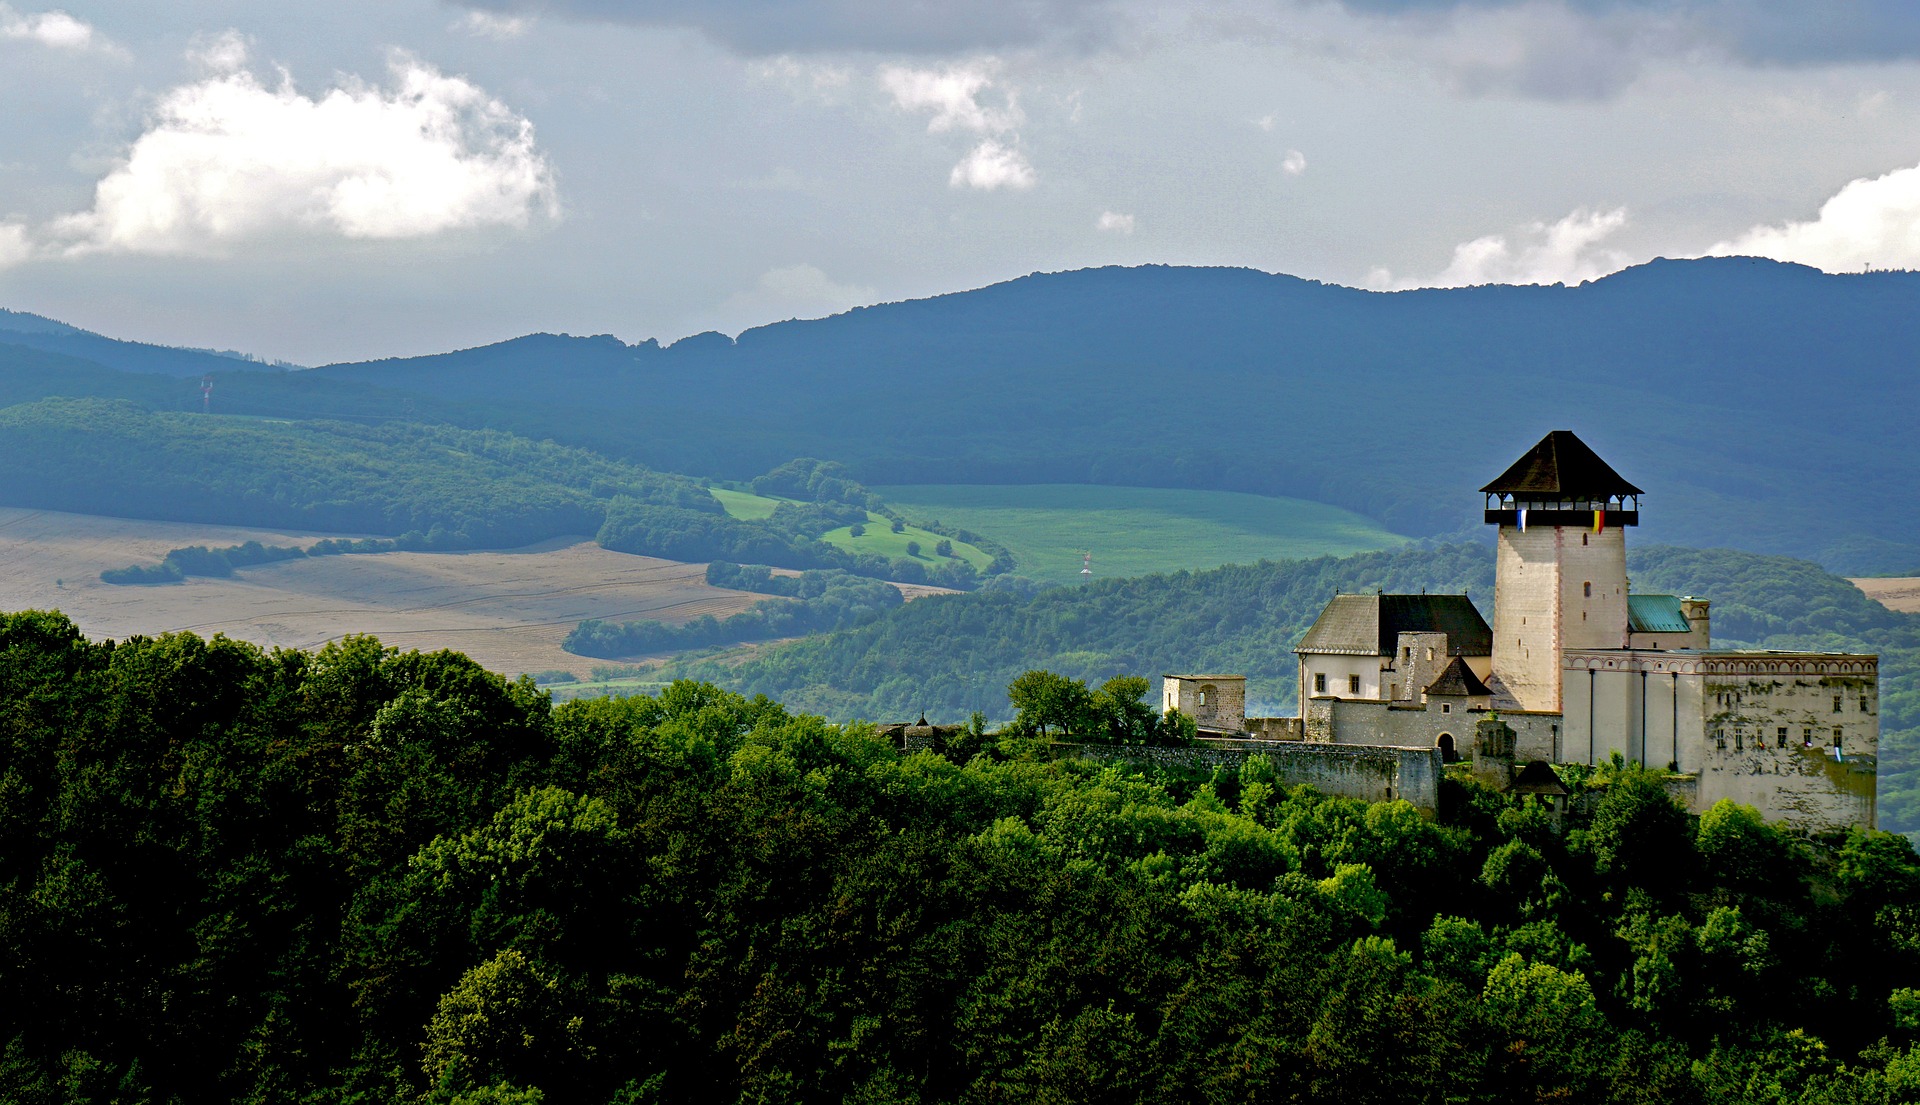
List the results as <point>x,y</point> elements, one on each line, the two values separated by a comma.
<point>1561,466</point>
<point>1458,679</point>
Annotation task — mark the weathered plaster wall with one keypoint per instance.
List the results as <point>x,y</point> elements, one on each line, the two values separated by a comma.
<point>1337,669</point>
<point>1794,734</point>
<point>1370,773</point>
<point>1212,701</point>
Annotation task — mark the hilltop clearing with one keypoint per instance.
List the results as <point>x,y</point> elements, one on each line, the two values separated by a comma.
<point>1134,531</point>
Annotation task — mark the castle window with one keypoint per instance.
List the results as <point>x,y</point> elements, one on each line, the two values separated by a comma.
<point>1589,588</point>
<point>1353,684</point>
<point>1862,701</point>
<point>1203,698</point>
<point>1863,704</point>
<point>1836,703</point>
<point>1583,539</point>
<point>1406,653</point>
<point>1783,736</point>
<point>1806,736</point>
<point>1836,736</point>
<point>1446,707</point>
<point>1739,741</point>
<point>1319,682</point>
<point>1720,739</point>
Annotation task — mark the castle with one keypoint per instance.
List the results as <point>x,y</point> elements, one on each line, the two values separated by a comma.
<point>1575,668</point>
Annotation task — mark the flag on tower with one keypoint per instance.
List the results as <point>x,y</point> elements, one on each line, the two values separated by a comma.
<point>1599,520</point>
<point>1523,519</point>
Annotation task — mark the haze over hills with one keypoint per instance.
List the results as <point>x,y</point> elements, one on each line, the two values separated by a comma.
<point>1756,401</point>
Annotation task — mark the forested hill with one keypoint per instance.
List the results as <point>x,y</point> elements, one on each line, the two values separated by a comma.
<point>949,655</point>
<point>365,876</point>
<point>1759,403</point>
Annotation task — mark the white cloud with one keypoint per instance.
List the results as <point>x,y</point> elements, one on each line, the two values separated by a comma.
<point>1869,222</point>
<point>1294,164</point>
<point>1114,223</point>
<point>54,29</point>
<point>229,159</point>
<point>952,95</point>
<point>807,285</point>
<point>1563,252</point>
<point>493,25</point>
<point>226,52</point>
<point>15,248</point>
<point>991,165</point>
<point>952,98</point>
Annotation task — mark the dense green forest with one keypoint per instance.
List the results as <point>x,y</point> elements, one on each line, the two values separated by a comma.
<point>950,655</point>
<point>812,602</point>
<point>360,875</point>
<point>430,486</point>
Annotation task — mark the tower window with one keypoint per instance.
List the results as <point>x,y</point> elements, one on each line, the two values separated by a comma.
<point>1739,741</point>
<point>1353,684</point>
<point>1583,539</point>
<point>1783,736</point>
<point>1720,739</point>
<point>1589,588</point>
<point>1836,703</point>
<point>1863,704</point>
<point>1806,736</point>
<point>1203,698</point>
<point>1319,682</point>
<point>1836,736</point>
<point>1446,707</point>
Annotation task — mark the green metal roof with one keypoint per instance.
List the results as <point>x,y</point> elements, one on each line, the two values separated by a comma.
<point>1656,614</point>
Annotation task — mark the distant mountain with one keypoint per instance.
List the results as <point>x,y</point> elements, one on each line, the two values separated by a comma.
<point>37,332</point>
<point>1762,404</point>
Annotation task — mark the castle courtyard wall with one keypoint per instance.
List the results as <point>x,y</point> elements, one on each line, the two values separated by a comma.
<point>1370,773</point>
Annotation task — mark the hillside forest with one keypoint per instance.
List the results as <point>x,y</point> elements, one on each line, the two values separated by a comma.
<point>367,875</point>
<point>1690,376</point>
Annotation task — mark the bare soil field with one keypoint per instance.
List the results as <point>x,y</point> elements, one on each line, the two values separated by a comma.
<point>508,610</point>
<point>1902,594</point>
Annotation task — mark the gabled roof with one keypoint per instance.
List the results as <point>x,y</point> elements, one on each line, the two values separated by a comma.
<point>1537,778</point>
<point>1370,625</point>
<point>1563,467</point>
<point>1458,679</point>
<point>1656,614</point>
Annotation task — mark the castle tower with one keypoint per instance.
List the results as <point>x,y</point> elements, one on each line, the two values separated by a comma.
<point>1561,571</point>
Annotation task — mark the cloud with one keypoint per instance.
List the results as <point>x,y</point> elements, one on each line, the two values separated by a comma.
<point>1616,31</point>
<point>54,29</point>
<point>1114,223</point>
<point>1294,164</point>
<point>762,27</point>
<point>1563,252</point>
<point>790,291</point>
<point>15,248</point>
<point>952,95</point>
<point>483,24</point>
<point>1869,222</point>
<point>230,159</point>
<point>989,166</point>
<point>952,98</point>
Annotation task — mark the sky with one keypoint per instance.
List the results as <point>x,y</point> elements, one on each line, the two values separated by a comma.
<point>315,183</point>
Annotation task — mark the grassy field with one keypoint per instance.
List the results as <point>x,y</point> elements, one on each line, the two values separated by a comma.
<point>879,537</point>
<point>745,504</point>
<point>1136,530</point>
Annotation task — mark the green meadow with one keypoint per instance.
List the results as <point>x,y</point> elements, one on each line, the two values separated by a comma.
<point>879,537</point>
<point>1137,530</point>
